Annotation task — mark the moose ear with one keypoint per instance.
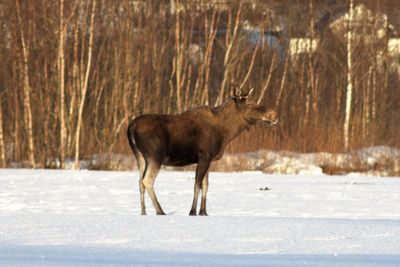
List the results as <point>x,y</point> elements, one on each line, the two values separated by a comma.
<point>250,92</point>
<point>238,91</point>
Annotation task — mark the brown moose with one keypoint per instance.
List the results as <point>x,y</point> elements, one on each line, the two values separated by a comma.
<point>197,136</point>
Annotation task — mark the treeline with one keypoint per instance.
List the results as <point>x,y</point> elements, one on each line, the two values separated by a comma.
<point>73,73</point>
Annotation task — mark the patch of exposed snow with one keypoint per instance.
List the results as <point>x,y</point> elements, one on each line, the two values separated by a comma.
<point>292,165</point>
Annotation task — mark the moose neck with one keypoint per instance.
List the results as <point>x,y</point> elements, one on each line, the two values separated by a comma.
<point>232,122</point>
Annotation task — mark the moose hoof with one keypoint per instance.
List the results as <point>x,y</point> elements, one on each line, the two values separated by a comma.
<point>203,213</point>
<point>160,213</point>
<point>192,213</point>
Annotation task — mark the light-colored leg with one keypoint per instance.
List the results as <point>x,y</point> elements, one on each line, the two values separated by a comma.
<point>204,189</point>
<point>152,169</point>
<point>197,187</point>
<point>142,204</point>
<point>201,170</point>
<point>141,165</point>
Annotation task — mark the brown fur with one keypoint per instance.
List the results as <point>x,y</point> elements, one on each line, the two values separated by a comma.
<point>195,136</point>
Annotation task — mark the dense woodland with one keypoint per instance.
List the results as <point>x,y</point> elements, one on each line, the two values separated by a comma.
<point>74,73</point>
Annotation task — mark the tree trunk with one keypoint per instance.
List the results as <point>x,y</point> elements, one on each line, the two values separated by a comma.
<point>367,105</point>
<point>84,88</point>
<point>205,99</point>
<point>16,155</point>
<point>349,89</point>
<point>311,82</point>
<point>228,56</point>
<point>283,82</point>
<point>178,59</point>
<point>267,82</point>
<point>26,90</point>
<point>2,145</point>
<point>61,71</point>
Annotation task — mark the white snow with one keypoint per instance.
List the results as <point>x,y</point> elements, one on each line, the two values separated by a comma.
<point>91,218</point>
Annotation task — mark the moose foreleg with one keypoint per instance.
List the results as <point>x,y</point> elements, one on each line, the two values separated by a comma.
<point>204,189</point>
<point>201,171</point>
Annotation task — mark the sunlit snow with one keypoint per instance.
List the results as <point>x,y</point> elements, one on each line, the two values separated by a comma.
<point>91,218</point>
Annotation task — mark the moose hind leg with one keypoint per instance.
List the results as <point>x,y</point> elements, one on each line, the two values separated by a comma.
<point>152,169</point>
<point>142,191</point>
<point>141,164</point>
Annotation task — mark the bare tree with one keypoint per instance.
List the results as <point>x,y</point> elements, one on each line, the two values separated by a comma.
<point>85,87</point>
<point>26,89</point>
<point>61,69</point>
<point>179,57</point>
<point>230,42</point>
<point>272,66</point>
<point>349,88</point>
<point>201,93</point>
<point>2,144</point>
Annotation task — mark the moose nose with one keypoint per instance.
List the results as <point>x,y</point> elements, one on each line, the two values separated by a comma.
<point>272,117</point>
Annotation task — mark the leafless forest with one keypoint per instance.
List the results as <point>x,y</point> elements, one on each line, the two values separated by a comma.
<point>73,73</point>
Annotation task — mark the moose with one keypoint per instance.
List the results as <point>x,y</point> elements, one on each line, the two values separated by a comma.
<point>198,136</point>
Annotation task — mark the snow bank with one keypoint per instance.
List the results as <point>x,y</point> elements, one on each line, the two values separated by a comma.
<point>372,161</point>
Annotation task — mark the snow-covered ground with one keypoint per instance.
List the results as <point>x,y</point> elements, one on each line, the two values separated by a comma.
<point>91,218</point>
